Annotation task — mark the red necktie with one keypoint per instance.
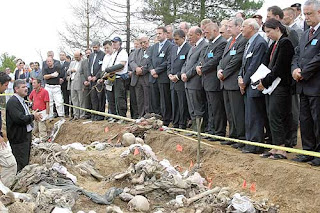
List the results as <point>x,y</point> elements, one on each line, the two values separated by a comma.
<point>311,31</point>
<point>273,49</point>
<point>232,42</point>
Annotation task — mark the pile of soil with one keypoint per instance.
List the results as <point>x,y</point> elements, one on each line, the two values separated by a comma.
<point>292,186</point>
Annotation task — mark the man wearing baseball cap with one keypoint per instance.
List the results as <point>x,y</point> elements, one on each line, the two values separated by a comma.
<point>299,18</point>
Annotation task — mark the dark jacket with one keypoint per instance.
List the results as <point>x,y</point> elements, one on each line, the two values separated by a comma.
<point>176,63</point>
<point>16,121</point>
<point>307,58</point>
<point>280,64</point>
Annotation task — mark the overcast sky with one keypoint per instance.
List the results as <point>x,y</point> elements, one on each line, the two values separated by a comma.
<point>30,26</point>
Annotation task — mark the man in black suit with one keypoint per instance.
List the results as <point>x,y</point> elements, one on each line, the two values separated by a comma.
<point>255,109</point>
<point>176,61</point>
<point>140,76</point>
<point>98,97</point>
<point>207,68</point>
<point>228,71</point>
<point>63,81</point>
<point>305,70</point>
<point>194,89</point>
<point>160,83</point>
<point>19,124</point>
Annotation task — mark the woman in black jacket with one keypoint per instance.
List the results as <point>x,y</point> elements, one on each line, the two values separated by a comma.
<point>278,103</point>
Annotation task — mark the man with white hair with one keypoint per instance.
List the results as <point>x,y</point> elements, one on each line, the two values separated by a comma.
<point>255,108</point>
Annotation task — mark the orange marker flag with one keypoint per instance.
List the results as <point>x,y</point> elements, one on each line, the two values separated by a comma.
<point>253,187</point>
<point>106,129</point>
<point>179,148</point>
<point>136,151</point>
<point>179,168</point>
<point>191,165</point>
<point>244,184</point>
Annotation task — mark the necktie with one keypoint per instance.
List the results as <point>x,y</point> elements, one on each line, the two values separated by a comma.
<point>232,42</point>
<point>273,49</point>
<point>311,31</point>
<point>29,126</point>
<point>94,60</point>
<point>246,49</point>
<point>160,46</point>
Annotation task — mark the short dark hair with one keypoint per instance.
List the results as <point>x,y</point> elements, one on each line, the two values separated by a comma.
<point>163,29</point>
<point>37,63</point>
<point>4,78</point>
<point>274,24</point>
<point>179,33</point>
<point>38,80</point>
<point>275,10</point>
<point>18,82</point>
<point>68,57</point>
<point>107,42</point>
<point>31,63</point>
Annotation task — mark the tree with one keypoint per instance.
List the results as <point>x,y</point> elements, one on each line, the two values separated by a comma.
<point>7,61</point>
<point>193,11</point>
<point>88,25</point>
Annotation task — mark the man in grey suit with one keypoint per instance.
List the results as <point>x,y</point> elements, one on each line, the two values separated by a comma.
<point>288,20</point>
<point>255,109</point>
<point>228,71</point>
<point>177,59</point>
<point>305,70</point>
<point>160,83</point>
<point>193,83</point>
<point>76,85</point>
<point>140,76</point>
<point>84,70</point>
<point>207,68</point>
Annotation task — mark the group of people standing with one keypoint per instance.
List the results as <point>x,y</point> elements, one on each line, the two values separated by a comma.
<point>193,72</point>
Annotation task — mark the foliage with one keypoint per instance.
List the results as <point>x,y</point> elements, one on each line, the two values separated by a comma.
<point>193,11</point>
<point>7,60</point>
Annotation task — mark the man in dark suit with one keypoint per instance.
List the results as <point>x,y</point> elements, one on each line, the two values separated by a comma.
<point>19,124</point>
<point>228,71</point>
<point>255,109</point>
<point>305,70</point>
<point>63,81</point>
<point>160,83</point>
<point>140,76</point>
<point>193,85</point>
<point>176,61</point>
<point>207,68</point>
<point>98,97</point>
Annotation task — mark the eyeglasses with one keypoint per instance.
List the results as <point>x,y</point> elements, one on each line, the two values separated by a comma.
<point>222,32</point>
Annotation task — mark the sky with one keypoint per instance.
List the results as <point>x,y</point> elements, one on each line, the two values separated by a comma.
<point>31,27</point>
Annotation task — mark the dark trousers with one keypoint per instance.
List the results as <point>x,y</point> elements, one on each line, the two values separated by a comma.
<point>196,103</point>
<point>255,111</point>
<point>111,102</point>
<point>291,139</point>
<point>155,98</point>
<point>216,113</point>
<point>142,95</point>
<point>120,97</point>
<point>310,122</point>
<point>66,99</point>
<point>165,103</point>
<point>21,152</point>
<point>279,107</point>
<point>234,105</point>
<point>87,100</point>
<point>180,111</point>
<point>98,100</point>
<point>133,103</point>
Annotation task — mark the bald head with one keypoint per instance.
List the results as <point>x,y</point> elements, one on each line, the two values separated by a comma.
<point>195,34</point>
<point>77,55</point>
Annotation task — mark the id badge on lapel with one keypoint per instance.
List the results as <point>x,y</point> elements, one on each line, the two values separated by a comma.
<point>314,42</point>
<point>233,52</point>
<point>210,55</point>
<point>182,57</point>
<point>161,55</point>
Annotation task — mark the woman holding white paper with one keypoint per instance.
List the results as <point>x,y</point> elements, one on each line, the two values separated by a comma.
<point>278,60</point>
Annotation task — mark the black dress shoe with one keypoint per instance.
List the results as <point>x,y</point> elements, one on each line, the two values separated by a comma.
<point>303,158</point>
<point>227,143</point>
<point>315,162</point>
<point>237,145</point>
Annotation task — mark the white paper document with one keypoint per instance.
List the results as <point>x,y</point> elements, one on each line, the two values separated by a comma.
<point>274,85</point>
<point>44,115</point>
<point>261,73</point>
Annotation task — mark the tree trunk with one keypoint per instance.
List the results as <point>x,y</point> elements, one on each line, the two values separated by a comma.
<point>128,27</point>
<point>202,9</point>
<point>88,24</point>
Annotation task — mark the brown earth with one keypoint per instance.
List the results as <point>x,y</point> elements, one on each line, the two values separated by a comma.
<point>292,186</point>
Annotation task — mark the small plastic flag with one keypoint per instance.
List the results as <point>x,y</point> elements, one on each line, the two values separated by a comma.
<point>210,181</point>
<point>106,129</point>
<point>179,148</point>
<point>191,165</point>
<point>136,151</point>
<point>244,184</point>
<point>253,187</point>
<point>179,168</point>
